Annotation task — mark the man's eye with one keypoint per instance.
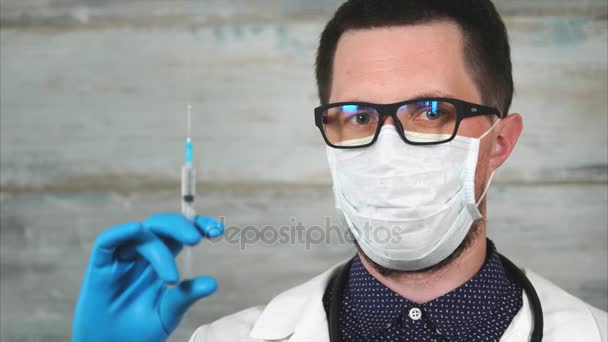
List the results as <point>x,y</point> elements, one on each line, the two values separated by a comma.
<point>432,115</point>
<point>361,118</point>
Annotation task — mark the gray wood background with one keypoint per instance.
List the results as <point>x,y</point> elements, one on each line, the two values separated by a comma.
<point>92,121</point>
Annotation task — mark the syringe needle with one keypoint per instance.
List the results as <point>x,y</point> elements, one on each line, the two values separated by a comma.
<point>189,121</point>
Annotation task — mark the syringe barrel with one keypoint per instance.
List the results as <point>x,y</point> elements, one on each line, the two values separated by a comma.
<point>188,181</point>
<point>188,191</point>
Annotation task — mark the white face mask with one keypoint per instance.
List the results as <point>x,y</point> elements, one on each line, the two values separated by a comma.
<point>409,207</point>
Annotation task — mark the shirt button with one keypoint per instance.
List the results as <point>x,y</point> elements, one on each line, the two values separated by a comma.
<point>415,314</point>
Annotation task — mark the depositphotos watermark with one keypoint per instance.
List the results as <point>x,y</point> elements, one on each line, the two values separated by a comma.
<point>297,233</point>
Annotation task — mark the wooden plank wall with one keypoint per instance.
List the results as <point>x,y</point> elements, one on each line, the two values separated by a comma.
<point>92,121</point>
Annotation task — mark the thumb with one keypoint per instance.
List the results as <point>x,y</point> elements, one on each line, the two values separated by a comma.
<point>176,300</point>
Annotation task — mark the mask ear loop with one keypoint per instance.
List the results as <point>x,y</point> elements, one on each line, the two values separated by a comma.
<point>489,130</point>
<point>493,172</point>
<point>486,189</point>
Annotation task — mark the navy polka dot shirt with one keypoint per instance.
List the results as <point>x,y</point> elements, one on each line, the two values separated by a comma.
<point>479,310</point>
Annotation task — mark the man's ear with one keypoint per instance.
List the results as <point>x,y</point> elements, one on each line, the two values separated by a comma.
<point>508,131</point>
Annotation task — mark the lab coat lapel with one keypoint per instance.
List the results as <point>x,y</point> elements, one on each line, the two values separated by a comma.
<point>296,315</point>
<point>520,328</point>
<point>312,326</point>
<point>560,311</point>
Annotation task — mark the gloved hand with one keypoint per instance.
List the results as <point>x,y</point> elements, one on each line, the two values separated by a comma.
<point>125,294</point>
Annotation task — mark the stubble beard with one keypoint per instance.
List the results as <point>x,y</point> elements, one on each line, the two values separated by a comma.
<point>474,233</point>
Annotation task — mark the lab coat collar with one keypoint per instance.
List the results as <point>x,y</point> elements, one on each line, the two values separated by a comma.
<point>298,312</point>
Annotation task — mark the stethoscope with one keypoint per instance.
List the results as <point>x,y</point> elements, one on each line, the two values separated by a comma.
<point>341,279</point>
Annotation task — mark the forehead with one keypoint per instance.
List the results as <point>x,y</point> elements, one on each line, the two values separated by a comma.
<point>396,63</point>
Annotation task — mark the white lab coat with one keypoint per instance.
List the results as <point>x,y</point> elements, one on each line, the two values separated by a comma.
<point>297,315</point>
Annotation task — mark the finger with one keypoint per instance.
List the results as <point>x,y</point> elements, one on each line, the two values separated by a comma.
<point>159,256</point>
<point>114,236</point>
<point>209,227</point>
<point>178,299</point>
<point>108,241</point>
<point>174,246</point>
<point>173,226</point>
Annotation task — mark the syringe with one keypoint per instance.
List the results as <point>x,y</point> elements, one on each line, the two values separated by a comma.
<point>188,192</point>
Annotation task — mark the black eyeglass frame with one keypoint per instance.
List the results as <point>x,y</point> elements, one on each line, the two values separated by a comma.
<point>463,110</point>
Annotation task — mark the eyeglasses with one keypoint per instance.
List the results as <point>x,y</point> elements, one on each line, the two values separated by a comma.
<point>423,121</point>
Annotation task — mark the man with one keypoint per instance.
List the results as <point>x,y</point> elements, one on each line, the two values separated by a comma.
<point>415,98</point>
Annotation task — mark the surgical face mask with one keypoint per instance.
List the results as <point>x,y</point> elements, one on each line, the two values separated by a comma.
<point>409,207</point>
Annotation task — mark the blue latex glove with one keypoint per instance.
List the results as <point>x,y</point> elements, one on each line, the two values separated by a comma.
<point>125,294</point>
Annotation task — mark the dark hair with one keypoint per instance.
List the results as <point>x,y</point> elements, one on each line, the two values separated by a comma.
<point>486,43</point>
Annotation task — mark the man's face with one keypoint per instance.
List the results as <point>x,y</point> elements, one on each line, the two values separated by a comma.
<point>387,65</point>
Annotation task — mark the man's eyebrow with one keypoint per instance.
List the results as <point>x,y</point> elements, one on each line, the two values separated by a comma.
<point>432,94</point>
